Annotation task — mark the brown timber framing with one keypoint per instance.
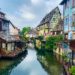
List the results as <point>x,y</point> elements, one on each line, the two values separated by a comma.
<point>6,44</point>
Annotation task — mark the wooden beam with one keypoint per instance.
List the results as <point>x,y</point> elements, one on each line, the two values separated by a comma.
<point>6,46</point>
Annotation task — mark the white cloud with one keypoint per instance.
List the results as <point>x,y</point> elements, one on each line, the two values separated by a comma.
<point>46,5</point>
<point>51,4</point>
<point>27,13</point>
<point>35,2</point>
<point>15,20</point>
<point>32,13</point>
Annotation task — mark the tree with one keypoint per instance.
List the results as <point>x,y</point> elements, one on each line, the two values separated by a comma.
<point>51,43</point>
<point>25,30</point>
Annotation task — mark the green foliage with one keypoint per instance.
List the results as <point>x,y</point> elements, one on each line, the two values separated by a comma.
<point>40,38</point>
<point>51,43</point>
<point>65,57</point>
<point>59,38</point>
<point>39,43</point>
<point>72,70</point>
<point>25,30</point>
<point>52,40</point>
<point>23,33</point>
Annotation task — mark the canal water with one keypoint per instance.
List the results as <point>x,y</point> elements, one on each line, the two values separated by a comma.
<point>31,64</point>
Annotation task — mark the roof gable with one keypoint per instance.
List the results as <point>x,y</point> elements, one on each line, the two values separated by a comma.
<point>49,16</point>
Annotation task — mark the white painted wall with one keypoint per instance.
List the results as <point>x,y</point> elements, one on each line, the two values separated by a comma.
<point>13,31</point>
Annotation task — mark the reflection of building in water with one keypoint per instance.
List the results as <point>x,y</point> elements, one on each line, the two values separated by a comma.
<point>50,64</point>
<point>6,66</point>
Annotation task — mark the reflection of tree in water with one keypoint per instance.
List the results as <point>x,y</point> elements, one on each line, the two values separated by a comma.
<point>50,64</point>
<point>6,66</point>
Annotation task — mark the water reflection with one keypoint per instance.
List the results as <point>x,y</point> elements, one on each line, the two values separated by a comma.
<point>50,64</point>
<point>29,66</point>
<point>6,66</point>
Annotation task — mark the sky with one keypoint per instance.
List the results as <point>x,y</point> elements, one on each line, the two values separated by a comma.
<point>27,13</point>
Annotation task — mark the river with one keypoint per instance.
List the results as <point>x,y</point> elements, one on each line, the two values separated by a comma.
<point>31,64</point>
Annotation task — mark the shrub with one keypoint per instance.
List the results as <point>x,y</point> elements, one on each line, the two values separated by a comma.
<point>51,42</point>
<point>40,38</point>
<point>72,70</point>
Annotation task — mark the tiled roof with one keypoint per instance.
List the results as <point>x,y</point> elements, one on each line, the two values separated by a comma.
<point>48,17</point>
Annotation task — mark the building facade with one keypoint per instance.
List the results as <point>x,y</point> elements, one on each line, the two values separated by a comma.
<point>4,24</point>
<point>69,18</point>
<point>14,30</point>
<point>69,24</point>
<point>7,41</point>
<point>32,33</point>
<point>51,23</point>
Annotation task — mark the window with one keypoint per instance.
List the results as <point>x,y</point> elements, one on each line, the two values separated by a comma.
<point>3,45</point>
<point>67,20</point>
<point>66,5</point>
<point>73,3</point>
<point>73,17</point>
<point>73,20</point>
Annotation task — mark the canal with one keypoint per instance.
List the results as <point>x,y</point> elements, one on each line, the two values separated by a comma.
<point>31,63</point>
